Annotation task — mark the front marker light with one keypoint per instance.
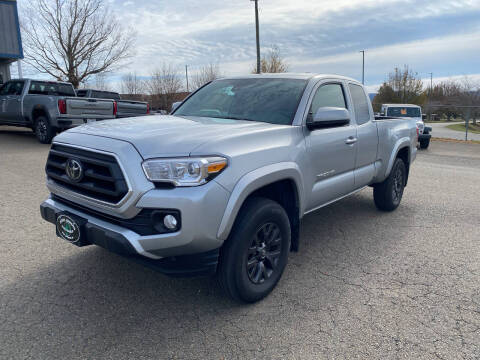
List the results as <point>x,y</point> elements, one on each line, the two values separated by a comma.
<point>184,171</point>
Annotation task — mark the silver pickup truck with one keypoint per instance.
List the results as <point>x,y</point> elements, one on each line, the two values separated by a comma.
<point>125,108</point>
<point>48,107</point>
<point>221,185</point>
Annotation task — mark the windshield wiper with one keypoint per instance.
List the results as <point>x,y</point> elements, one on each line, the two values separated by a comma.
<point>235,118</point>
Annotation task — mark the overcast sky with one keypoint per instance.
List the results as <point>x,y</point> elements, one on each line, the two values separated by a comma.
<point>321,36</point>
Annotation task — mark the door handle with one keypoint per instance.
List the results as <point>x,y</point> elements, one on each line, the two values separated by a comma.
<point>351,140</point>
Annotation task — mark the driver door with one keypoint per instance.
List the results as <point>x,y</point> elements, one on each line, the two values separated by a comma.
<point>331,151</point>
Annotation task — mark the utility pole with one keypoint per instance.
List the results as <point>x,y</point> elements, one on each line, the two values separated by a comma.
<point>431,83</point>
<point>20,73</point>
<point>363,66</point>
<point>257,26</point>
<point>186,75</point>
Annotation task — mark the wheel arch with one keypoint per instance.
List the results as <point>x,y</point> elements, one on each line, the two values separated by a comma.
<point>37,111</point>
<point>280,182</point>
<point>401,150</point>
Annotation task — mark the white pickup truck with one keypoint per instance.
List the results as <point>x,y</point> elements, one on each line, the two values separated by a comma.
<point>410,111</point>
<point>47,107</point>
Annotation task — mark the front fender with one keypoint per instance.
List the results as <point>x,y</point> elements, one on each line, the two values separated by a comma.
<point>401,143</point>
<point>254,180</point>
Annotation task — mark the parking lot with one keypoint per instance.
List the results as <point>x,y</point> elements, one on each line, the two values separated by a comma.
<point>365,284</point>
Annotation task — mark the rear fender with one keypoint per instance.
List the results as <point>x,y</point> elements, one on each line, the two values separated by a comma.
<point>400,144</point>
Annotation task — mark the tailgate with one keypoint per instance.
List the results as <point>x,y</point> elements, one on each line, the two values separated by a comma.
<point>90,108</point>
<point>131,107</point>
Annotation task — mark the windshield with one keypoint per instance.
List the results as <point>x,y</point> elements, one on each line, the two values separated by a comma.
<point>404,112</point>
<point>273,101</point>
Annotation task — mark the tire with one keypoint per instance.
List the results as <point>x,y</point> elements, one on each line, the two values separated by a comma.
<point>43,130</point>
<point>424,144</point>
<point>388,194</point>
<point>255,255</point>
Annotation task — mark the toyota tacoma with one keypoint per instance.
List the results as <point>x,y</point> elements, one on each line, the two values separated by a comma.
<point>220,186</point>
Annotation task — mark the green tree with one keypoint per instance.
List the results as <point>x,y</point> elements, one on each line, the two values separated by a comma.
<point>403,86</point>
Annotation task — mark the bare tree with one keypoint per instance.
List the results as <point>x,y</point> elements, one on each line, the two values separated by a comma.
<point>131,84</point>
<point>206,74</point>
<point>164,86</point>
<point>402,86</point>
<point>101,82</point>
<point>273,62</point>
<point>74,39</point>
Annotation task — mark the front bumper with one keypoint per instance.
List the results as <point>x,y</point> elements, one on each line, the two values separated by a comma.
<point>129,244</point>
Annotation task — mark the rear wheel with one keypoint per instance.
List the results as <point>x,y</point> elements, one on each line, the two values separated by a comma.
<point>43,130</point>
<point>255,255</point>
<point>424,143</point>
<point>388,194</point>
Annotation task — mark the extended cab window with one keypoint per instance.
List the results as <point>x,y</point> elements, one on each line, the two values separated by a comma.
<point>360,104</point>
<point>329,95</point>
<point>268,100</point>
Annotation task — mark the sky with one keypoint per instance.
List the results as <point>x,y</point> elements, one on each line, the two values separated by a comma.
<point>319,36</point>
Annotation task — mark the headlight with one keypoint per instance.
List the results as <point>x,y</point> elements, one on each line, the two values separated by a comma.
<point>184,171</point>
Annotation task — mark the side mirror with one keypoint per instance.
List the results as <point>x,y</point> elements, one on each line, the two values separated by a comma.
<point>329,117</point>
<point>175,105</point>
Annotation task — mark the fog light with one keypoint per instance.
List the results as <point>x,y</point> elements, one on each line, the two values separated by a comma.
<point>170,222</point>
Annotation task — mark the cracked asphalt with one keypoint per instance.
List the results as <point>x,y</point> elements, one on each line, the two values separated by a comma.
<point>365,284</point>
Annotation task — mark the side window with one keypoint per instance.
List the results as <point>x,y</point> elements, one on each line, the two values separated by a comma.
<point>360,104</point>
<point>13,88</point>
<point>329,95</point>
<point>4,88</point>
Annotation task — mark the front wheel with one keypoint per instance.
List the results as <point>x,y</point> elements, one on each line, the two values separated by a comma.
<point>43,130</point>
<point>388,194</point>
<point>256,253</point>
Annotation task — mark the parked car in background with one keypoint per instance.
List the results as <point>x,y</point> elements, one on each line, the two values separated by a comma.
<point>48,107</point>
<point>125,108</point>
<point>413,112</point>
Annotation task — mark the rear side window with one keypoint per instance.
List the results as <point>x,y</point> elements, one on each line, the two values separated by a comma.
<point>329,95</point>
<point>105,95</point>
<point>81,93</point>
<point>360,104</point>
<point>47,88</point>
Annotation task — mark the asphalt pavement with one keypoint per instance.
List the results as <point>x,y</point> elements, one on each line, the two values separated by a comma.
<point>364,285</point>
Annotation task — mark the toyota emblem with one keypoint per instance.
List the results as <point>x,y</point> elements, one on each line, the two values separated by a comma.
<point>74,170</point>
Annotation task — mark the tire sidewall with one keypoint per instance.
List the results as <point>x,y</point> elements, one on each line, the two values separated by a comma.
<point>268,211</point>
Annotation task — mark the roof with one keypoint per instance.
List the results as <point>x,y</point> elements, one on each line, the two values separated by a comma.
<point>45,81</point>
<point>401,105</point>
<point>10,39</point>
<point>299,76</point>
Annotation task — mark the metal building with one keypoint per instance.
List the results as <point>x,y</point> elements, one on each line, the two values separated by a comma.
<point>10,40</point>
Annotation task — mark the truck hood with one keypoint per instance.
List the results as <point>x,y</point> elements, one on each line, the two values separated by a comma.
<point>167,135</point>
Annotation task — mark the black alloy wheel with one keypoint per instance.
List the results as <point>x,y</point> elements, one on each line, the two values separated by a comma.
<point>264,253</point>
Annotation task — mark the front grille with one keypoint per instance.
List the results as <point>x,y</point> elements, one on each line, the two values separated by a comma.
<point>102,176</point>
